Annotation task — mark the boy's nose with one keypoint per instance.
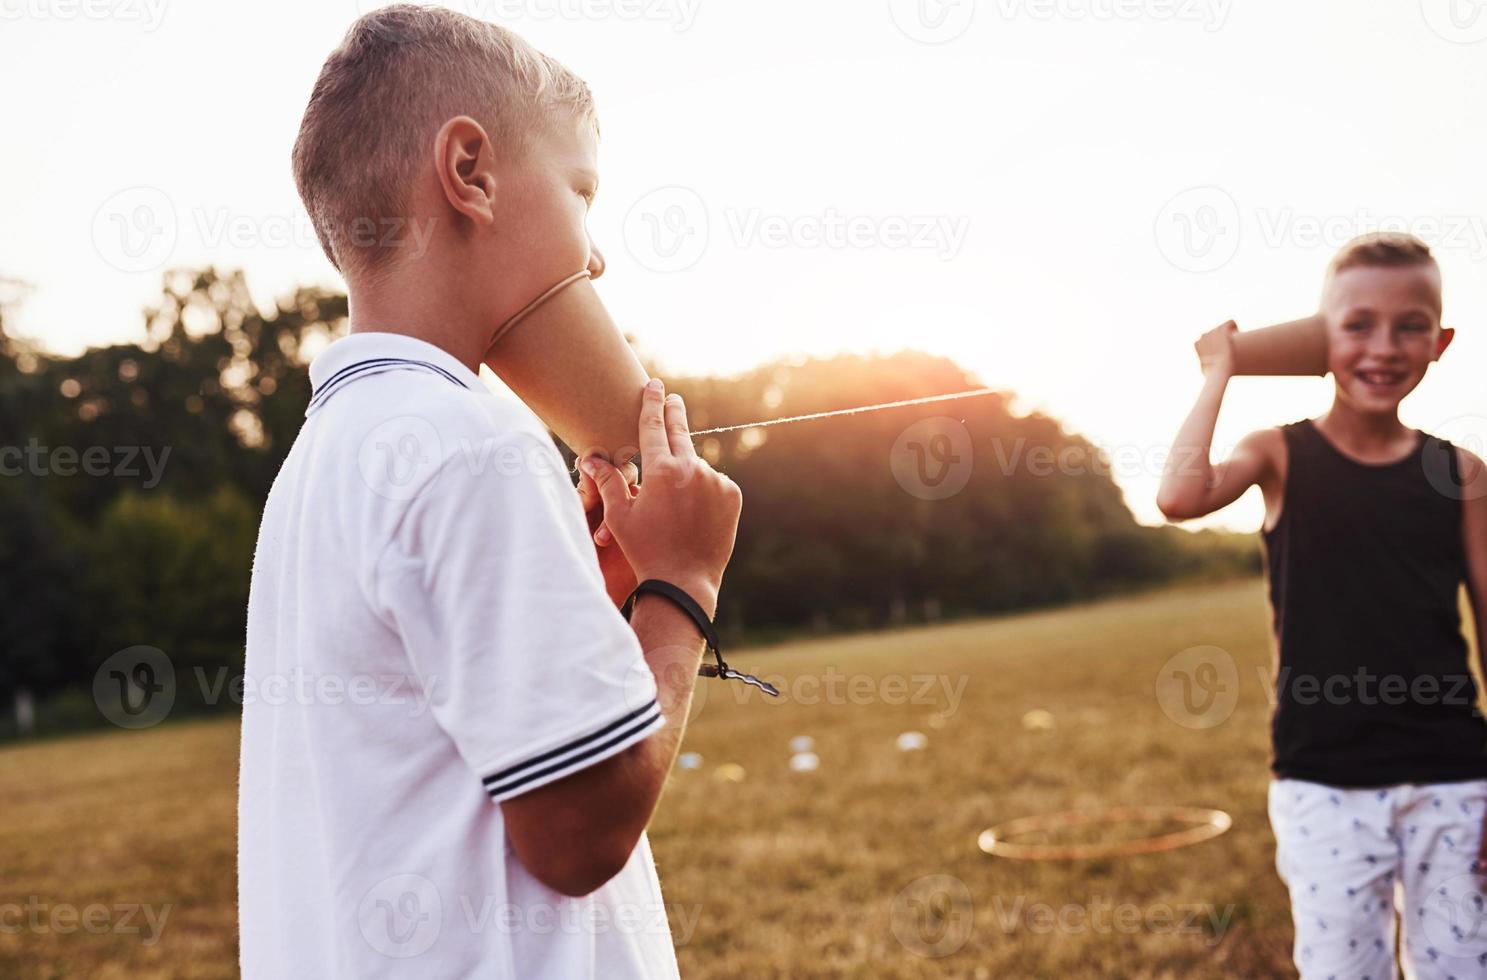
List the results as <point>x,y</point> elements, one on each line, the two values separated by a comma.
<point>596,261</point>
<point>1384,344</point>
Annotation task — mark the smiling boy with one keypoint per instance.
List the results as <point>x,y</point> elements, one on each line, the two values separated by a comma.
<point>1380,753</point>
<point>490,822</point>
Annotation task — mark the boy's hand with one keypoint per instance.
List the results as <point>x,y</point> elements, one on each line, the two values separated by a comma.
<point>682,528</point>
<point>619,577</point>
<point>1216,350</point>
<point>1479,866</point>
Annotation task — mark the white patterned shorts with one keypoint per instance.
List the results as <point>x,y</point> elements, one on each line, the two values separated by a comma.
<point>1351,858</point>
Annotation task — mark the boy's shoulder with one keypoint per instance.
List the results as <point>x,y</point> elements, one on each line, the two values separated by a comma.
<point>406,412</point>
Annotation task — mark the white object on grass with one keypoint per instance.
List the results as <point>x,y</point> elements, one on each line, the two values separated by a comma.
<point>912,741</point>
<point>805,762</point>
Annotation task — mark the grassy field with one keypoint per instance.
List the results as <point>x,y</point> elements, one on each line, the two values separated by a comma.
<point>867,866</point>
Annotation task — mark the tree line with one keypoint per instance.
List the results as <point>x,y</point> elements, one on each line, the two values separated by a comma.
<point>132,478</point>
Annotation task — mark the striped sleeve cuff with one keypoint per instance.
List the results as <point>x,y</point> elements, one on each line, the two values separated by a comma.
<point>577,754</point>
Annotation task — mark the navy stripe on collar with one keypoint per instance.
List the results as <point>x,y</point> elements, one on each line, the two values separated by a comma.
<point>374,365</point>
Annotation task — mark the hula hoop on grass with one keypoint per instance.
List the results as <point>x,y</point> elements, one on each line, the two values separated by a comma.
<point>1207,824</point>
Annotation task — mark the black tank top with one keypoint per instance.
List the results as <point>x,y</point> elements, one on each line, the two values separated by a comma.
<point>1365,567</point>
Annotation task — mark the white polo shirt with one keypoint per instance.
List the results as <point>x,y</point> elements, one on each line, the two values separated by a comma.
<point>428,634</point>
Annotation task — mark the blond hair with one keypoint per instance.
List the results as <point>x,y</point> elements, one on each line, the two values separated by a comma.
<point>399,74</point>
<point>1390,249</point>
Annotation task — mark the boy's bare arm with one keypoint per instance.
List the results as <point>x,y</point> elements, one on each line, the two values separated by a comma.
<point>576,833</point>
<point>1474,543</point>
<point>1191,485</point>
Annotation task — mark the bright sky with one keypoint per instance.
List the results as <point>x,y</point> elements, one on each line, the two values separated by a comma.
<point>1059,194</point>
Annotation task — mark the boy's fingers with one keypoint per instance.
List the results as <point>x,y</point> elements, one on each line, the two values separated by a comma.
<point>613,489</point>
<point>678,434</point>
<point>588,491</point>
<point>653,444</point>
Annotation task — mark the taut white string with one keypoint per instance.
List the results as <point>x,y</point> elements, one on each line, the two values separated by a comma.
<point>851,411</point>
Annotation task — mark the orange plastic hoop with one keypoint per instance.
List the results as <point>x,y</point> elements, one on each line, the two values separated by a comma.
<point>1207,824</point>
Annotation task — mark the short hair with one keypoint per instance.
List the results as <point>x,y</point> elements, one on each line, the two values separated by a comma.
<point>399,74</point>
<point>1389,249</point>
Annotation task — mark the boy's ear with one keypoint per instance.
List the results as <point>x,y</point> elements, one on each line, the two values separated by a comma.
<point>1448,334</point>
<point>465,163</point>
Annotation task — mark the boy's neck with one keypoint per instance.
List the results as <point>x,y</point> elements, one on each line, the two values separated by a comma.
<point>403,303</point>
<point>1362,430</point>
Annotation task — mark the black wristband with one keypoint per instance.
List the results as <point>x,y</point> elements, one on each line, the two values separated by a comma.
<point>689,606</point>
<point>683,601</point>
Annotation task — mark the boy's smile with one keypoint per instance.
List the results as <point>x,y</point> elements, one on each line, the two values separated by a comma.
<point>1383,332</point>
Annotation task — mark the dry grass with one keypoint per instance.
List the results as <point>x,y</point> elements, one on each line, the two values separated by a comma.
<point>789,874</point>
